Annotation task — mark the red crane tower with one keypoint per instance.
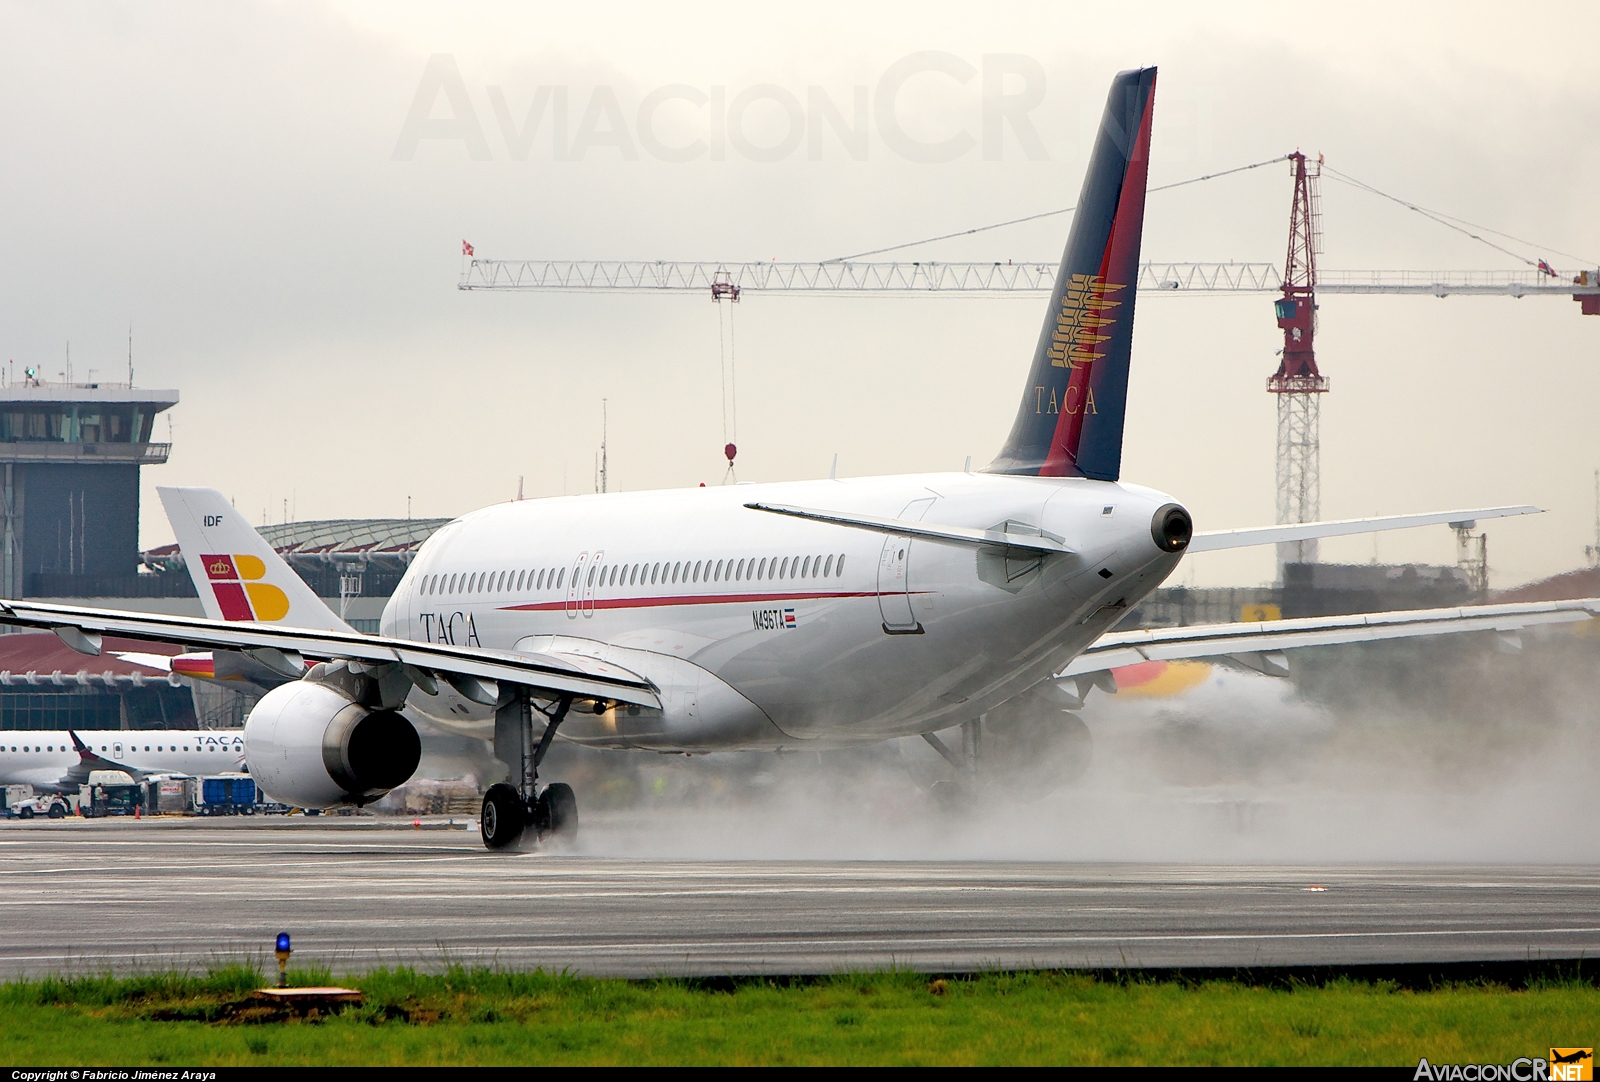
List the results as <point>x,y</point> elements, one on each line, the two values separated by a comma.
<point>1297,383</point>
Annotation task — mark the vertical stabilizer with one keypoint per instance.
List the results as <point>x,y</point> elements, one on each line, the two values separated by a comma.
<point>237,574</point>
<point>1070,420</point>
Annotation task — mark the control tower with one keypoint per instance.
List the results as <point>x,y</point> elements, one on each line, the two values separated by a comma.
<point>71,454</point>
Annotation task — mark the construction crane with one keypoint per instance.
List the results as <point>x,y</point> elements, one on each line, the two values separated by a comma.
<point>1297,385</point>
<point>915,279</point>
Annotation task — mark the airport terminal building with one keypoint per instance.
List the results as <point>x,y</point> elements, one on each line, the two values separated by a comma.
<point>72,455</point>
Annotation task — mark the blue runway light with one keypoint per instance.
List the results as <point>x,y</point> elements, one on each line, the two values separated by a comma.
<point>283,959</point>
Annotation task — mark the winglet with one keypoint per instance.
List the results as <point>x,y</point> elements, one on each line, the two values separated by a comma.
<point>238,575</point>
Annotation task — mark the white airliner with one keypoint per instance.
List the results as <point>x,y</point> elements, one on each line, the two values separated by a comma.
<point>812,614</point>
<point>59,761</point>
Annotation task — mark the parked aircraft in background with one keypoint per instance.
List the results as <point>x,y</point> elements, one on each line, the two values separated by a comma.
<point>58,761</point>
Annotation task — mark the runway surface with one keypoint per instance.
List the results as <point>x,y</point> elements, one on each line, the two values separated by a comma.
<point>92,895</point>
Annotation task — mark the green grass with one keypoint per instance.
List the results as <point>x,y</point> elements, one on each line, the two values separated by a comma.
<point>484,1016</point>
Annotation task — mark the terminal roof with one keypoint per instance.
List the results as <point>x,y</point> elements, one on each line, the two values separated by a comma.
<point>116,394</point>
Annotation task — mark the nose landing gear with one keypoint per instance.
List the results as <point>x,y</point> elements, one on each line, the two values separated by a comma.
<point>510,810</point>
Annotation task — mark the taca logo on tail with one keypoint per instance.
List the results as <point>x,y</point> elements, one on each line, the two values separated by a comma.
<point>1070,421</point>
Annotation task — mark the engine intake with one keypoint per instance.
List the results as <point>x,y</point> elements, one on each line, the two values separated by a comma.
<point>310,746</point>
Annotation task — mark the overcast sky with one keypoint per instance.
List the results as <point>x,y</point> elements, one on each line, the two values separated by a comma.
<point>241,183</point>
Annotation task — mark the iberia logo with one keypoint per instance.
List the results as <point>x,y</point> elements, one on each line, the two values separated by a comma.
<point>238,594</point>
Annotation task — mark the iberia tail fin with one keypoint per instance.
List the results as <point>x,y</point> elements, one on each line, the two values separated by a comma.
<point>1070,420</point>
<point>237,574</point>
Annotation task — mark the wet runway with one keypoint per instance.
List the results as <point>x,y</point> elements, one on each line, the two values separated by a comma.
<point>91,895</point>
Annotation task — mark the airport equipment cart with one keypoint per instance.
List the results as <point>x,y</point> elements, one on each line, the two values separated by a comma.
<point>226,794</point>
<point>110,792</point>
<point>20,802</point>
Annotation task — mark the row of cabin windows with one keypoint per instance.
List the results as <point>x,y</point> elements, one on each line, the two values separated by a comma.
<point>131,747</point>
<point>746,570</point>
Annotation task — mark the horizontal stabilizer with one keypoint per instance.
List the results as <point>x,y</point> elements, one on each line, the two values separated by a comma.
<point>900,527</point>
<point>1306,531</point>
<point>1121,648</point>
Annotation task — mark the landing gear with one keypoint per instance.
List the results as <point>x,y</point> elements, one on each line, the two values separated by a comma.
<point>504,817</point>
<point>510,809</point>
<point>1024,756</point>
<point>555,813</point>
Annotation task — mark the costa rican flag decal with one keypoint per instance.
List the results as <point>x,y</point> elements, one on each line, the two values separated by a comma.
<point>788,619</point>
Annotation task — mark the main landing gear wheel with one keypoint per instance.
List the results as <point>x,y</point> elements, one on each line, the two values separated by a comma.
<point>503,818</point>
<point>556,812</point>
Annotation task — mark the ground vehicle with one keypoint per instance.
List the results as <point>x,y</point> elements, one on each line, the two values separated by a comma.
<point>20,802</point>
<point>13,795</point>
<point>110,792</point>
<point>226,794</point>
<point>169,794</point>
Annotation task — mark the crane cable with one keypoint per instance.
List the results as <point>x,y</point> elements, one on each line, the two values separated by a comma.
<point>1049,213</point>
<point>730,386</point>
<point>1440,217</point>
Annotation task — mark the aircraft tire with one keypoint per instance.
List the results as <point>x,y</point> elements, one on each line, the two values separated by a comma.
<point>503,817</point>
<point>558,811</point>
<point>1077,747</point>
<point>951,795</point>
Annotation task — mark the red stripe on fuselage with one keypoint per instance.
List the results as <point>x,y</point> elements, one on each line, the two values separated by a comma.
<point>690,599</point>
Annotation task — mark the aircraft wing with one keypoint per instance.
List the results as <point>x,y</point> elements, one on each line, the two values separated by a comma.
<point>1259,645</point>
<point>283,648</point>
<point>1007,535</point>
<point>78,773</point>
<point>1306,531</point>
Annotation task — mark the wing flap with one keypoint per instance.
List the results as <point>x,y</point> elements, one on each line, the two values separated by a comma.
<point>1219,640</point>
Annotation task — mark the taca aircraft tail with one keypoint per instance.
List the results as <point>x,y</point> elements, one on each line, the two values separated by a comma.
<point>1070,421</point>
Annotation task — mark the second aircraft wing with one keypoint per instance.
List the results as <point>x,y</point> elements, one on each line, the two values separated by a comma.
<point>1255,644</point>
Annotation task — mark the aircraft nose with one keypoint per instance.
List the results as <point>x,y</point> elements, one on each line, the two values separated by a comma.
<point>1171,528</point>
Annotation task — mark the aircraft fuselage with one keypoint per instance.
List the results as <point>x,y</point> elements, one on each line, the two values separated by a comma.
<point>765,631</point>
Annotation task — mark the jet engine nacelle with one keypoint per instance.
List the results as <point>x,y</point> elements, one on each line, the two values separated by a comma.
<point>309,746</point>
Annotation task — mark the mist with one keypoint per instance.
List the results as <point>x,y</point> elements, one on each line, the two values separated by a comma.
<point>1399,752</point>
